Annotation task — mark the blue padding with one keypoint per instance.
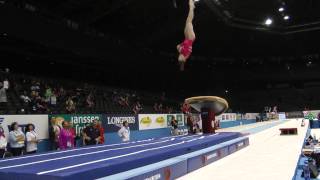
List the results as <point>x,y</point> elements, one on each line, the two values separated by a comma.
<point>227,124</point>
<point>172,172</point>
<point>124,157</point>
<point>223,148</point>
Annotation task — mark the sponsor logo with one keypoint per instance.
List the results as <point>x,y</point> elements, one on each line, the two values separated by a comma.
<point>154,177</point>
<point>160,120</point>
<point>120,120</point>
<point>146,121</point>
<point>84,119</point>
<point>240,144</point>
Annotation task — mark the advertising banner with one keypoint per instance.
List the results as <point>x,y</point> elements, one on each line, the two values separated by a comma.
<point>152,121</point>
<point>113,122</point>
<point>312,115</point>
<point>156,121</point>
<point>295,114</point>
<point>282,115</point>
<point>227,117</point>
<point>179,118</point>
<point>39,121</point>
<point>77,121</point>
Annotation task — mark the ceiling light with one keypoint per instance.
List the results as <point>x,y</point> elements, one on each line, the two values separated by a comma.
<point>286,17</point>
<point>281,9</point>
<point>268,22</point>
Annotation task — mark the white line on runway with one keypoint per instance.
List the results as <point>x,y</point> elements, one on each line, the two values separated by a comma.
<point>115,157</point>
<point>84,154</point>
<point>71,150</point>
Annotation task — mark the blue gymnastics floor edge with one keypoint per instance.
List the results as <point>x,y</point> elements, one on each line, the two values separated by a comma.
<point>181,165</point>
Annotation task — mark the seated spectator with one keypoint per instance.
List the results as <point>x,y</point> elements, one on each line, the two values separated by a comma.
<point>70,105</point>
<point>61,92</point>
<point>66,139</point>
<point>3,142</point>
<point>16,139</point>
<point>32,139</point>
<point>42,105</point>
<point>53,99</point>
<point>35,86</point>
<point>6,84</point>
<point>123,101</point>
<point>90,101</point>
<point>137,108</point>
<point>25,98</point>
<point>91,134</point>
<point>160,110</point>
<point>155,107</point>
<point>3,98</point>
<point>48,93</point>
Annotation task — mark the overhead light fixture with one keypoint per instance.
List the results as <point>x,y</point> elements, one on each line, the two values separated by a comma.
<point>268,22</point>
<point>281,9</point>
<point>286,17</point>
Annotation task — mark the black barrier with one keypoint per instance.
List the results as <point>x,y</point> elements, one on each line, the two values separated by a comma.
<point>113,122</point>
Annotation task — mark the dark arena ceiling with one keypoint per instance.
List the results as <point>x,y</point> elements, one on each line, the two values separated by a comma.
<point>234,42</point>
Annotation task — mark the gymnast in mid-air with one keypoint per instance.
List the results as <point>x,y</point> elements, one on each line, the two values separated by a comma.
<point>185,48</point>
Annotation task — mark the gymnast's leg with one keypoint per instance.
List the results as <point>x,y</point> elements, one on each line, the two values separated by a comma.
<point>188,30</point>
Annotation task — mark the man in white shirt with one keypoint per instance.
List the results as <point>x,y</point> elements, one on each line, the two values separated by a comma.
<point>124,132</point>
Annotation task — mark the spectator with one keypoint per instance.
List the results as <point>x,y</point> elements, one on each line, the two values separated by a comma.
<point>3,142</point>
<point>137,108</point>
<point>160,110</point>
<point>35,86</point>
<point>32,139</point>
<point>70,105</point>
<point>16,139</point>
<point>61,92</point>
<point>186,108</point>
<point>90,101</point>
<point>91,134</point>
<point>48,93</point>
<point>174,125</point>
<point>53,99</point>
<point>25,98</point>
<point>6,84</point>
<point>3,98</point>
<point>124,132</point>
<point>101,129</point>
<point>155,107</point>
<point>66,139</point>
<point>73,132</point>
<point>54,133</point>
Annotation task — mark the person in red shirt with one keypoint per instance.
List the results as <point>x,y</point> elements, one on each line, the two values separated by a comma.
<point>101,130</point>
<point>185,48</point>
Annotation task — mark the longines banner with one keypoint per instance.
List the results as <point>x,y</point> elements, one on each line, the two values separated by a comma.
<point>113,122</point>
<point>39,121</point>
<point>156,121</point>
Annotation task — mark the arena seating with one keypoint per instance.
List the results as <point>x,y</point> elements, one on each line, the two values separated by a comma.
<point>105,98</point>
